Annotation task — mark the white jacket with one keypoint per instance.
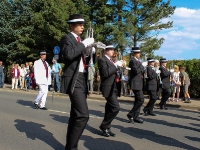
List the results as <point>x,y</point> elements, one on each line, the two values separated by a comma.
<point>40,73</point>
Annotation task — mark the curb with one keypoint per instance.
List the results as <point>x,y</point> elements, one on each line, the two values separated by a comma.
<point>128,99</point>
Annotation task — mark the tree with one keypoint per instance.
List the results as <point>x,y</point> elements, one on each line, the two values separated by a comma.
<point>144,21</point>
<point>13,26</point>
<point>49,22</point>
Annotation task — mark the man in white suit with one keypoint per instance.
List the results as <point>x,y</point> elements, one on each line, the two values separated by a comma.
<point>42,72</point>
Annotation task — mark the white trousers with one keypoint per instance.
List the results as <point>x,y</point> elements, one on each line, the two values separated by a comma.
<point>42,95</point>
<point>14,83</point>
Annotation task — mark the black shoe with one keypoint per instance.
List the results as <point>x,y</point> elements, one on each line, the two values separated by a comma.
<point>152,114</point>
<point>36,106</point>
<point>43,108</point>
<point>111,133</point>
<point>138,120</point>
<point>130,119</point>
<point>106,133</point>
<point>146,113</point>
<point>163,107</point>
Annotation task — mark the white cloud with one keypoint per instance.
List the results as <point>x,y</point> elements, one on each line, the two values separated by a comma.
<point>184,36</point>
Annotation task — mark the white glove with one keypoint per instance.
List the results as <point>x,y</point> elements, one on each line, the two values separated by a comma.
<point>157,71</point>
<point>127,68</point>
<point>119,63</point>
<point>88,42</point>
<point>93,50</point>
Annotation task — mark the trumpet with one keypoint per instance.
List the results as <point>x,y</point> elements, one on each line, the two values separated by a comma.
<point>90,51</point>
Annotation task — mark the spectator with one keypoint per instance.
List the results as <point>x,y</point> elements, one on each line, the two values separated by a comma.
<point>57,69</point>
<point>27,66</point>
<point>19,80</point>
<point>15,74</point>
<point>186,84</point>
<point>91,73</point>
<point>124,82</point>
<point>23,73</point>
<point>1,74</point>
<point>28,81</point>
<point>31,74</point>
<point>98,82</point>
<point>176,83</point>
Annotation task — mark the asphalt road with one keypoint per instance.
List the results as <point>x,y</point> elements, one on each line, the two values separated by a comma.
<point>25,128</point>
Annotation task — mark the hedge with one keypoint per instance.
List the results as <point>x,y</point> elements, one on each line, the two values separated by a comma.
<point>193,70</point>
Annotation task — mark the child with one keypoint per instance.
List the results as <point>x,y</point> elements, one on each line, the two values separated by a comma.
<point>176,83</point>
<point>28,82</point>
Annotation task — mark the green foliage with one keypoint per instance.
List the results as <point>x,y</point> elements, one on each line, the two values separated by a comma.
<point>144,22</point>
<point>193,70</point>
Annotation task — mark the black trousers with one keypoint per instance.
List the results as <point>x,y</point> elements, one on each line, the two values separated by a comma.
<point>79,114</point>
<point>165,95</point>
<point>153,97</point>
<point>111,110</point>
<point>139,100</point>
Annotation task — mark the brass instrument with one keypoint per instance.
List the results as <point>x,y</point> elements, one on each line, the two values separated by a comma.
<point>90,51</point>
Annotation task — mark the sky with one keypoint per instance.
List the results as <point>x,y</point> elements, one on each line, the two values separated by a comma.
<point>182,41</point>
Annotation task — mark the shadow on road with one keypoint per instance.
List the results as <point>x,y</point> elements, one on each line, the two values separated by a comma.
<point>152,136</point>
<point>156,121</point>
<point>104,144</point>
<point>96,113</point>
<point>197,125</point>
<point>93,130</point>
<point>62,119</point>
<point>25,102</point>
<point>36,131</point>
<point>193,138</point>
<point>176,115</point>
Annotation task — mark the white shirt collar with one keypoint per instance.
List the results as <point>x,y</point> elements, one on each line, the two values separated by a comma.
<point>108,57</point>
<point>75,35</point>
<point>136,58</point>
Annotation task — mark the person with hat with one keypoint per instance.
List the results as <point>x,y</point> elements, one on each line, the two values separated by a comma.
<point>136,85</point>
<point>151,86</point>
<point>74,79</point>
<point>42,74</point>
<point>165,83</point>
<point>109,87</point>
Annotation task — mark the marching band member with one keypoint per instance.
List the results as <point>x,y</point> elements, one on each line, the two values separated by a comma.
<point>165,78</point>
<point>151,86</point>
<point>74,80</point>
<point>110,85</point>
<point>136,84</point>
<point>42,72</point>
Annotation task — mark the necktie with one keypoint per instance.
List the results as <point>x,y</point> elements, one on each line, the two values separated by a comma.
<point>83,58</point>
<point>116,78</point>
<point>45,66</point>
<point>111,61</point>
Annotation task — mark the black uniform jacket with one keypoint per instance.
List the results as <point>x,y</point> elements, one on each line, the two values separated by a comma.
<point>165,77</point>
<point>151,81</point>
<point>71,52</point>
<point>136,74</point>
<point>108,73</point>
